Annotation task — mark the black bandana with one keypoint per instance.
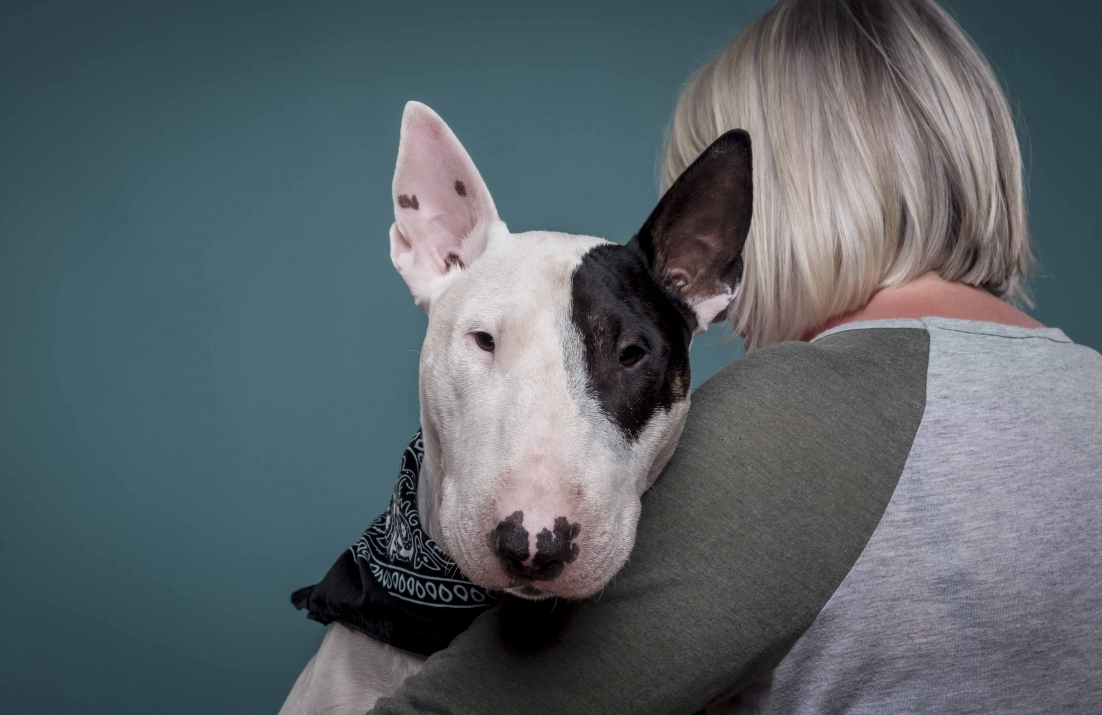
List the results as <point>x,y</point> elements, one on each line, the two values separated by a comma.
<point>395,584</point>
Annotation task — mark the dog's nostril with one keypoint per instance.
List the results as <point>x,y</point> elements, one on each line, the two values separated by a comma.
<point>515,567</point>
<point>547,570</point>
<point>509,540</point>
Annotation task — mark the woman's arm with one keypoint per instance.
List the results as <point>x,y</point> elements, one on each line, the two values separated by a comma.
<point>787,462</point>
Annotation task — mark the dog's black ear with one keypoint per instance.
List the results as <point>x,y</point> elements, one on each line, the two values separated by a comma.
<point>693,239</point>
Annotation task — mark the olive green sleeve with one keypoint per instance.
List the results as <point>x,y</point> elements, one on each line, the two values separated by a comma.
<point>786,464</point>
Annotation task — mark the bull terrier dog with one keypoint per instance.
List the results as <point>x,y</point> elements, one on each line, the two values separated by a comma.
<point>554,384</point>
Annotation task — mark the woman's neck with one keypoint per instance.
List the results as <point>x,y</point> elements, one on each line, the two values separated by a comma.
<point>930,296</point>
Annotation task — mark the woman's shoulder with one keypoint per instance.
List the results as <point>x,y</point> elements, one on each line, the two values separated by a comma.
<point>840,381</point>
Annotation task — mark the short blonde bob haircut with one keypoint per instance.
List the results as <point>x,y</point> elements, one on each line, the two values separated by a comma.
<point>883,149</point>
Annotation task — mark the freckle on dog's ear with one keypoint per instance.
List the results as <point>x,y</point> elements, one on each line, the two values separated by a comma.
<point>439,220</point>
<point>694,238</point>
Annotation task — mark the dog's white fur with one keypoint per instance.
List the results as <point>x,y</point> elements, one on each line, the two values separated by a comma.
<point>348,674</point>
<point>515,429</point>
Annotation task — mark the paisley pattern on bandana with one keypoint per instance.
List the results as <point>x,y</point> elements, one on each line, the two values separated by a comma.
<point>395,584</point>
<point>401,556</point>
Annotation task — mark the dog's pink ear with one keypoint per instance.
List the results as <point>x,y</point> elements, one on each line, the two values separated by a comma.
<point>442,207</point>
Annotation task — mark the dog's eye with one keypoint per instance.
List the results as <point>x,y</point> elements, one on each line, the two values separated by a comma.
<point>631,355</point>
<point>484,341</point>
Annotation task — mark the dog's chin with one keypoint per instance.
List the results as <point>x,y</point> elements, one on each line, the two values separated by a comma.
<point>542,590</point>
<point>570,590</point>
<point>529,592</point>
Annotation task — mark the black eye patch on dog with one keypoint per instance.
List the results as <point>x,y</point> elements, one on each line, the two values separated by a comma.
<point>615,301</point>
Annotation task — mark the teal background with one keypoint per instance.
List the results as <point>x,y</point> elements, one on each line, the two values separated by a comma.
<point>208,366</point>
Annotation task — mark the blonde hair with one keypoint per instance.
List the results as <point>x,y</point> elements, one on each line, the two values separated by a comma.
<point>883,149</point>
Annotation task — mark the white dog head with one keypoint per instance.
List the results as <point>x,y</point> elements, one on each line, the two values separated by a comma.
<point>555,371</point>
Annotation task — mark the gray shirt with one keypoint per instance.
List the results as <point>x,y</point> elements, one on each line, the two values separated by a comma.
<point>901,516</point>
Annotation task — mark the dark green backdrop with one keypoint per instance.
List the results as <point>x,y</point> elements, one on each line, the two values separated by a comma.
<point>208,366</point>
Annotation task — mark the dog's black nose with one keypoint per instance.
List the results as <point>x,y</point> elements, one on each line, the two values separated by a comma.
<point>554,549</point>
<point>509,542</point>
